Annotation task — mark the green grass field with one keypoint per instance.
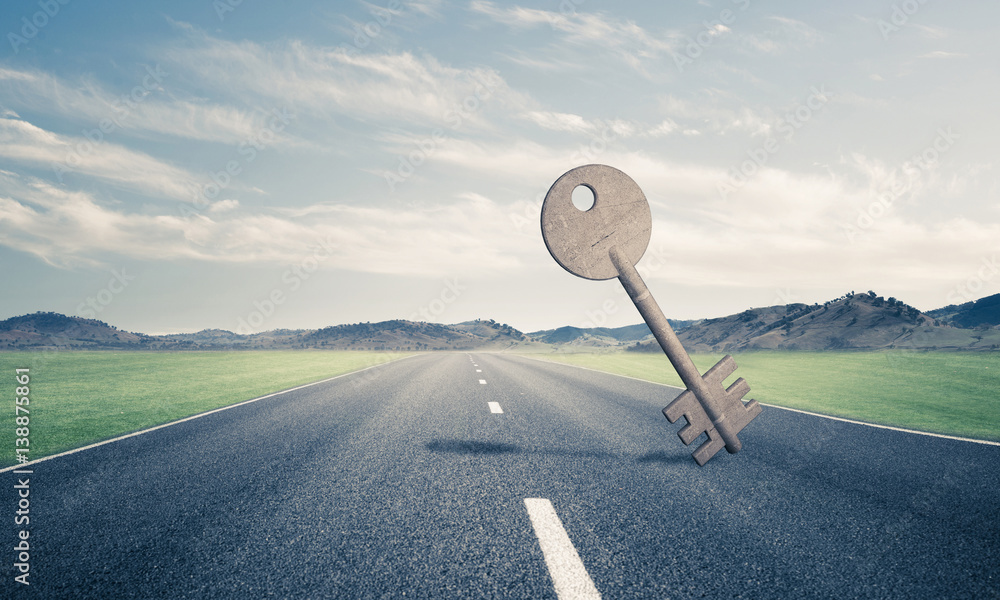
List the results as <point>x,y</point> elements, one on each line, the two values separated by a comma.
<point>77,398</point>
<point>954,393</point>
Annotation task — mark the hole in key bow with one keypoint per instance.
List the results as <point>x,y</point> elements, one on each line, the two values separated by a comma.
<point>583,197</point>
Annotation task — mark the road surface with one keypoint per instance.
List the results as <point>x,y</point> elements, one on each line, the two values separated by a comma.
<point>418,479</point>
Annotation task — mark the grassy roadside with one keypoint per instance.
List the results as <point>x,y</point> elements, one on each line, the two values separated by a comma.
<point>77,398</point>
<point>954,393</point>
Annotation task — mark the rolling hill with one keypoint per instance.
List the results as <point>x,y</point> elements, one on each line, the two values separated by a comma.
<point>853,321</point>
<point>599,336</point>
<point>984,312</point>
<point>52,330</point>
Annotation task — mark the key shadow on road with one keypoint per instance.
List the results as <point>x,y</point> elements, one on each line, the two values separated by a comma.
<point>481,448</point>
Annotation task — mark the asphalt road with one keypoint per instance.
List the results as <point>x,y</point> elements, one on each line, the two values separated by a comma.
<point>401,482</point>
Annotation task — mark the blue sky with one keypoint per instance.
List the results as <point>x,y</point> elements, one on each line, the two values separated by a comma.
<point>246,165</point>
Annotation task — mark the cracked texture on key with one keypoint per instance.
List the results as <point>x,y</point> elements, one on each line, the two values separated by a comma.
<point>581,240</point>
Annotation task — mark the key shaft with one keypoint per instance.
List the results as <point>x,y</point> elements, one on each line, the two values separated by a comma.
<point>676,354</point>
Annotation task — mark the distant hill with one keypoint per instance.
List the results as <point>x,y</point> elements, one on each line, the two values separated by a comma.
<point>599,336</point>
<point>53,330</point>
<point>984,312</point>
<point>410,335</point>
<point>853,321</point>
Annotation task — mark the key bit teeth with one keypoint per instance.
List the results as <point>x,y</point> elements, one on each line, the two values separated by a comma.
<point>738,389</point>
<point>709,448</point>
<point>722,369</point>
<point>686,405</point>
<point>688,433</point>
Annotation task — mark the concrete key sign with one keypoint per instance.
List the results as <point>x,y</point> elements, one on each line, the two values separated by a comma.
<point>605,241</point>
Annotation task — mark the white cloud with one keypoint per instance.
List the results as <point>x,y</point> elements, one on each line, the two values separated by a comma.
<point>69,228</point>
<point>516,16</point>
<point>400,88</point>
<point>224,206</point>
<point>150,109</point>
<point>23,142</point>
<point>559,121</point>
<point>626,40</point>
<point>931,32</point>
<point>714,115</point>
<point>665,128</point>
<point>943,54</point>
<point>561,66</point>
<point>780,228</point>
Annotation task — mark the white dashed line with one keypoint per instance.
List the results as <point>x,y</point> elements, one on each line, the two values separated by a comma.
<point>482,381</point>
<point>495,408</point>
<point>479,370</point>
<point>569,576</point>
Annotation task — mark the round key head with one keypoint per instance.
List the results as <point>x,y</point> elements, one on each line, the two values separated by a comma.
<point>580,240</point>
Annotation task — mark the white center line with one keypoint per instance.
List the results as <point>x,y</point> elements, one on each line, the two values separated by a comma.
<point>569,576</point>
<point>495,408</point>
<point>479,370</point>
<point>482,381</point>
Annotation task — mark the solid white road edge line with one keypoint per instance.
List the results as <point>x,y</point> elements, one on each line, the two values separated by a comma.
<point>805,412</point>
<point>193,417</point>
<point>938,435</point>
<point>569,576</point>
<point>495,408</point>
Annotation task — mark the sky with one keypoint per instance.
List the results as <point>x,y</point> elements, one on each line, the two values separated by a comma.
<point>242,165</point>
